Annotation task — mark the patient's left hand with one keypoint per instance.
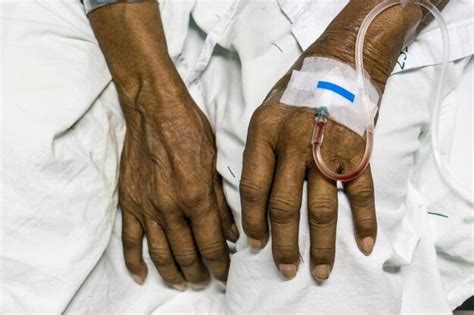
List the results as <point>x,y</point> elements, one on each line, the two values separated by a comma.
<point>277,160</point>
<point>277,157</point>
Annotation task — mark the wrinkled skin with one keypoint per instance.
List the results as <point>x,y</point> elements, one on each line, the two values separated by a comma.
<point>275,167</point>
<point>278,157</point>
<point>169,189</point>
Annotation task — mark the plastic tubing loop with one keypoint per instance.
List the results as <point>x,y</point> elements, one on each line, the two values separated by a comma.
<point>321,119</point>
<point>317,140</point>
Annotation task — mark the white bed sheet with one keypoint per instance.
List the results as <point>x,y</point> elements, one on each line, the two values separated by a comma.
<point>61,138</point>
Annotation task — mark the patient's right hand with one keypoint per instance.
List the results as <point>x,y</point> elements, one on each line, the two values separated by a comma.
<point>169,187</point>
<point>170,190</point>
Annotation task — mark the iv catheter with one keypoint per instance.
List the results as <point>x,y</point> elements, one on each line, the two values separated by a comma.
<point>322,114</point>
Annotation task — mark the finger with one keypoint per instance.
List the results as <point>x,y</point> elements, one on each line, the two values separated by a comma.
<point>185,253</point>
<point>284,207</point>
<point>361,197</point>
<point>132,237</point>
<point>322,217</point>
<point>161,256</point>
<point>255,185</point>
<point>211,243</point>
<point>227,219</point>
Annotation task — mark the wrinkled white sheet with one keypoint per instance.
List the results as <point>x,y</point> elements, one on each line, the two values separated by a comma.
<point>61,138</point>
<point>61,146</point>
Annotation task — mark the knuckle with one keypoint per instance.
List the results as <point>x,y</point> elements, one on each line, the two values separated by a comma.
<point>130,241</point>
<point>282,210</point>
<point>186,258</point>
<point>160,256</point>
<point>366,226</point>
<point>262,122</point>
<point>127,203</point>
<point>252,227</point>
<point>194,196</point>
<point>250,192</point>
<point>261,113</point>
<point>362,197</point>
<point>213,252</point>
<point>322,212</point>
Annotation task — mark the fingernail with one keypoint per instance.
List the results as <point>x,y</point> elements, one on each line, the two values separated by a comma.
<point>139,280</point>
<point>288,270</point>
<point>321,272</point>
<point>367,245</point>
<point>180,287</point>
<point>255,244</point>
<point>235,231</point>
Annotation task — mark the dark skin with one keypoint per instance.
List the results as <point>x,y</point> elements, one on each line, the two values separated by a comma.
<point>278,157</point>
<point>169,190</point>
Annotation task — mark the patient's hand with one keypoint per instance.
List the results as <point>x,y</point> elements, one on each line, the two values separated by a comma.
<point>277,160</point>
<point>169,188</point>
<point>277,157</point>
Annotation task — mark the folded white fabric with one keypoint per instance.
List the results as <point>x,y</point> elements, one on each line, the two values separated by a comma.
<point>61,140</point>
<point>450,221</point>
<point>62,137</point>
<point>309,19</point>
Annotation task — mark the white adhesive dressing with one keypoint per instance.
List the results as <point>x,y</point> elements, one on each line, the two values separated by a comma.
<point>332,84</point>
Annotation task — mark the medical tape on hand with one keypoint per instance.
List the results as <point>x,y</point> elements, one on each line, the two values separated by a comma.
<point>332,84</point>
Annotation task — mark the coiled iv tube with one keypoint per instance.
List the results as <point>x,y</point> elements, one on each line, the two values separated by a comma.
<point>321,118</point>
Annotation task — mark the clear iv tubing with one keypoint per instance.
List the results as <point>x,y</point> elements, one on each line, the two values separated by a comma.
<point>321,120</point>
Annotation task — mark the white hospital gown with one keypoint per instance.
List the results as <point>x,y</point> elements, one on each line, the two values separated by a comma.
<point>62,141</point>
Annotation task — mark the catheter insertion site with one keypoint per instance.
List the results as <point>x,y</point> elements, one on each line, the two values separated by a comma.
<point>322,115</point>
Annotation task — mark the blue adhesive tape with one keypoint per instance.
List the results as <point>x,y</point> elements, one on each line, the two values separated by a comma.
<point>336,89</point>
